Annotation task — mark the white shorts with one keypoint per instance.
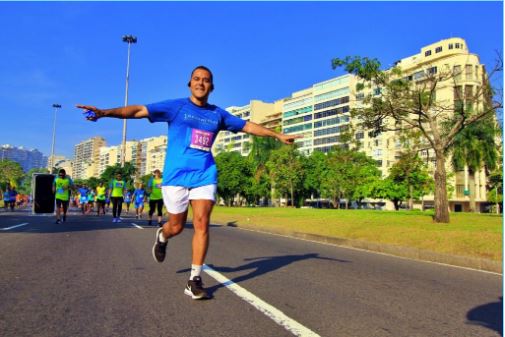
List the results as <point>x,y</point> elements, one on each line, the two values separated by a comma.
<point>176,198</point>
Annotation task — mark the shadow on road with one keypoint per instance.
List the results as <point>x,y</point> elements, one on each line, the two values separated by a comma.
<point>489,315</point>
<point>262,265</point>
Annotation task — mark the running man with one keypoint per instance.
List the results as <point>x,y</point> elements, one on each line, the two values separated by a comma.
<point>189,174</point>
<point>128,200</point>
<point>91,201</point>
<point>7,197</point>
<point>116,191</point>
<point>155,197</point>
<point>139,199</point>
<point>13,196</point>
<point>100,198</point>
<point>62,185</point>
<point>83,198</point>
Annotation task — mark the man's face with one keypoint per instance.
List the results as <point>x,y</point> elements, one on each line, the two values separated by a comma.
<point>200,84</point>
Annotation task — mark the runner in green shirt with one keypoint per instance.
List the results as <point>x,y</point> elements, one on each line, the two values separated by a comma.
<point>116,191</point>
<point>61,187</point>
<point>155,196</point>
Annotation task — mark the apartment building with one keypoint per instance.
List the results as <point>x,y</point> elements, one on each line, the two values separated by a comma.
<point>111,155</point>
<point>256,111</point>
<point>60,162</point>
<point>27,158</point>
<point>152,156</point>
<point>321,114</point>
<point>87,158</point>
<point>468,75</point>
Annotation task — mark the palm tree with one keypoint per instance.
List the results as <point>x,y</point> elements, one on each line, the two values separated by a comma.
<point>474,148</point>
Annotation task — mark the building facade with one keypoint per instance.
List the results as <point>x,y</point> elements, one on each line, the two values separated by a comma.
<point>321,114</point>
<point>87,158</point>
<point>27,158</point>
<point>256,111</point>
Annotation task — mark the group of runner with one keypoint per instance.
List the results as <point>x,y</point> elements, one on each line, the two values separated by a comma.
<point>100,198</point>
<point>10,197</point>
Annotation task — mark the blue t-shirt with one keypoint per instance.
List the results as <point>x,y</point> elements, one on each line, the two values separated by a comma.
<point>191,133</point>
<point>84,193</point>
<point>139,195</point>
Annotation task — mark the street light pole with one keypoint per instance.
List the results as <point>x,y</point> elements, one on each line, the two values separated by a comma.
<point>128,39</point>
<point>56,107</point>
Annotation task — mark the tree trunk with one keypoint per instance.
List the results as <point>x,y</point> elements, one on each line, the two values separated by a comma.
<point>474,195</point>
<point>441,200</point>
<point>292,197</point>
<point>411,200</point>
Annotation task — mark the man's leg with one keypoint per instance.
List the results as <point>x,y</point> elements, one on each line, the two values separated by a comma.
<point>201,218</point>
<point>58,211</point>
<point>159,207</point>
<point>65,209</point>
<point>172,227</point>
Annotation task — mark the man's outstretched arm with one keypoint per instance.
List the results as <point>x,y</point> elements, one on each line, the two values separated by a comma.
<point>258,130</point>
<point>128,112</point>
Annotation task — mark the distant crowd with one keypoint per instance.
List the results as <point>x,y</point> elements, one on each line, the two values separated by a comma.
<point>12,199</point>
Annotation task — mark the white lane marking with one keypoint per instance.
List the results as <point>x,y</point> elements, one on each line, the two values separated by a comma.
<point>134,224</point>
<point>12,227</point>
<point>273,313</point>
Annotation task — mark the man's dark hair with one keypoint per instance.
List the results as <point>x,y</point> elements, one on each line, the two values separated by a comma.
<point>62,171</point>
<point>211,76</point>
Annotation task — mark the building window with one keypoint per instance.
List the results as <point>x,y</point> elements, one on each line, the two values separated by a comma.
<point>456,72</point>
<point>438,49</point>
<point>468,71</point>
<point>451,46</point>
<point>457,45</point>
<point>427,53</point>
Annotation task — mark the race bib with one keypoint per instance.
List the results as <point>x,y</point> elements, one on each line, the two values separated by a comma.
<point>60,190</point>
<point>201,140</point>
<point>119,184</point>
<point>158,185</point>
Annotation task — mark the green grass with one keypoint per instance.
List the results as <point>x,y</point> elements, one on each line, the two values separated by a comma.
<point>468,234</point>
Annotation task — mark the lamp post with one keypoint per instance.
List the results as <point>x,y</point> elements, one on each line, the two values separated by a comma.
<point>128,39</point>
<point>56,107</point>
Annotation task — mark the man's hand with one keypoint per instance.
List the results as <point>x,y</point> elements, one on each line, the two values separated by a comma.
<point>288,139</point>
<point>98,113</point>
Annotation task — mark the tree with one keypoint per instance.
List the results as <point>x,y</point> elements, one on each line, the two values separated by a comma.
<point>260,150</point>
<point>397,102</point>
<point>26,182</point>
<point>10,172</point>
<point>390,190</point>
<point>348,175</point>
<point>234,175</point>
<point>473,148</point>
<point>127,172</point>
<point>412,173</point>
<point>286,170</point>
<point>315,170</point>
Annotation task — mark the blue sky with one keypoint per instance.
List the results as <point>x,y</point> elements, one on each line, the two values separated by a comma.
<point>72,53</point>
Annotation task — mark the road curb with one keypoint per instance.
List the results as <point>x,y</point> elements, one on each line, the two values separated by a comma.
<point>407,252</point>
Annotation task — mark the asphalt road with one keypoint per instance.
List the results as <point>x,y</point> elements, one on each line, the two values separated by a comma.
<point>92,277</point>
